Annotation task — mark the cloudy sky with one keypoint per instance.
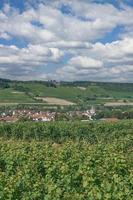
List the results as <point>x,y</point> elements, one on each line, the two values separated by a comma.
<point>66,40</point>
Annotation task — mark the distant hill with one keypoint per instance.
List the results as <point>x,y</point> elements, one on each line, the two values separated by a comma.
<point>77,91</point>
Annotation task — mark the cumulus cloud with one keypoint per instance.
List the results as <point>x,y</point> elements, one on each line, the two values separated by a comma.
<point>89,22</point>
<point>109,62</point>
<point>32,55</point>
<point>16,62</point>
<point>85,62</point>
<point>68,34</point>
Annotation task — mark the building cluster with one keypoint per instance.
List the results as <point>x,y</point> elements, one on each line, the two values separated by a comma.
<point>90,113</point>
<point>44,116</point>
<point>15,115</point>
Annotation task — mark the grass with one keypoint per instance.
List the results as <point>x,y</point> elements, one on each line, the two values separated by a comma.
<point>73,93</point>
<point>64,92</point>
<point>8,96</point>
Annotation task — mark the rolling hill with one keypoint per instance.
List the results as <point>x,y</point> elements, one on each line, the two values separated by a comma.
<point>75,92</point>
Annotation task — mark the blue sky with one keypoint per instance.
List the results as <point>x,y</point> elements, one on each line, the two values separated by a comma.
<point>66,40</point>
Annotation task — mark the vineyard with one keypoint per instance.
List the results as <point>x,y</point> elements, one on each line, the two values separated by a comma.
<point>66,160</point>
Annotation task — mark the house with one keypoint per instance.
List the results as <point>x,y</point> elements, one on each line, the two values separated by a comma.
<point>42,116</point>
<point>89,113</point>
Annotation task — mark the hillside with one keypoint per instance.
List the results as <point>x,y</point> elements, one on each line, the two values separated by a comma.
<point>76,92</point>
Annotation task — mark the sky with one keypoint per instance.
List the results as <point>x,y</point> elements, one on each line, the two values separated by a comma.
<point>68,40</point>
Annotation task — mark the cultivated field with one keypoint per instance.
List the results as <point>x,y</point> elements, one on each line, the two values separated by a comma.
<point>55,101</point>
<point>66,161</point>
<point>119,104</point>
<point>85,93</point>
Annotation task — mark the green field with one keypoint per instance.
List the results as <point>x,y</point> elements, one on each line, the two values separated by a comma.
<point>81,93</point>
<point>74,93</point>
<point>66,161</point>
<point>11,96</point>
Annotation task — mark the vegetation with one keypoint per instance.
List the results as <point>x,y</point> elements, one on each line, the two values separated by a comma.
<point>70,171</point>
<point>8,95</point>
<point>81,93</point>
<point>119,112</point>
<point>66,161</point>
<point>93,132</point>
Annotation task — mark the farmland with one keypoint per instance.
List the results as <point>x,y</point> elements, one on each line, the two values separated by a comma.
<point>66,161</point>
<point>70,159</point>
<point>66,100</point>
<point>55,101</point>
<point>91,93</point>
<point>8,95</point>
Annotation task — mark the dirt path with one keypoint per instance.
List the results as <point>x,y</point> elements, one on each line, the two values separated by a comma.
<point>55,101</point>
<point>119,104</point>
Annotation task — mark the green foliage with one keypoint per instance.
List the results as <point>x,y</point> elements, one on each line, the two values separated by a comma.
<point>66,161</point>
<point>73,170</point>
<point>9,95</point>
<point>120,113</point>
<point>93,132</point>
<point>79,92</point>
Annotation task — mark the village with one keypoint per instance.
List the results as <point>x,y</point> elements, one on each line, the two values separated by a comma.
<point>45,116</point>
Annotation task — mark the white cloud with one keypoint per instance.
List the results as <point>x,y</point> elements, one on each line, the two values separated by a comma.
<point>111,61</point>
<point>70,44</point>
<point>71,40</point>
<point>85,62</point>
<point>117,50</point>
<point>99,19</point>
<point>16,63</point>
<point>5,36</point>
<point>32,55</point>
